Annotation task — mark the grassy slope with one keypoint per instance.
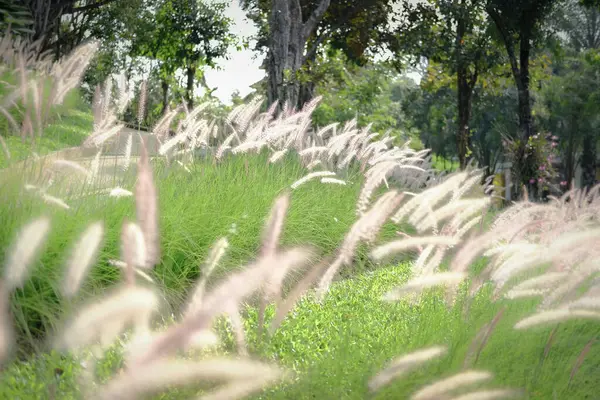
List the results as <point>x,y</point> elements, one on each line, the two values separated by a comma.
<point>70,123</point>
<point>335,346</point>
<point>196,209</point>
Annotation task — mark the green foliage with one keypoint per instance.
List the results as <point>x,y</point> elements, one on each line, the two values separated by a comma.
<point>231,199</point>
<point>16,16</point>
<point>568,105</point>
<point>373,94</point>
<point>356,28</point>
<point>69,129</point>
<point>183,33</point>
<point>336,346</point>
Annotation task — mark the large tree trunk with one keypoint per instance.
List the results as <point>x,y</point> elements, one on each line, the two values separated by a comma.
<point>465,84</point>
<point>588,161</point>
<point>522,79</point>
<point>165,96</point>
<point>307,93</point>
<point>189,88</point>
<point>289,35</point>
<point>520,71</point>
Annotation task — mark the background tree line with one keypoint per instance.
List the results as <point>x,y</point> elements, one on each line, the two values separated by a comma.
<point>501,80</point>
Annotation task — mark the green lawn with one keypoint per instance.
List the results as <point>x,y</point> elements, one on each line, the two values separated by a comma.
<point>335,347</point>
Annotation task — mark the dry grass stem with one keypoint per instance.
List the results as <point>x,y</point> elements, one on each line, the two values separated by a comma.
<point>82,258</point>
<point>146,203</point>
<point>405,364</point>
<point>442,387</point>
<point>28,243</point>
<point>425,282</point>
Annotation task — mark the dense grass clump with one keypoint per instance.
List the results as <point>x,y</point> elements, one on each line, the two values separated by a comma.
<point>336,346</point>
<point>196,208</point>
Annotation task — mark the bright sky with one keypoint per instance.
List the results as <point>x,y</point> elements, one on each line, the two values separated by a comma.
<point>241,69</point>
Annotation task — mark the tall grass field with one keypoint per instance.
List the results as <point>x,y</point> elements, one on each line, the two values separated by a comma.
<point>256,258</point>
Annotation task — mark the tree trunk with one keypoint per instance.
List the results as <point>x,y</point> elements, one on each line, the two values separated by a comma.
<point>465,84</point>
<point>307,93</point>
<point>289,35</point>
<point>522,81</point>
<point>570,160</point>
<point>464,116</point>
<point>520,71</point>
<point>588,161</point>
<point>189,89</point>
<point>525,117</point>
<point>165,96</point>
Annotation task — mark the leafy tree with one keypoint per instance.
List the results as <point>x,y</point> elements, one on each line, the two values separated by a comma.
<point>518,23</point>
<point>579,26</point>
<point>50,17</point>
<point>454,35</point>
<point>184,34</point>
<point>294,33</point>
<point>373,94</point>
<point>569,107</point>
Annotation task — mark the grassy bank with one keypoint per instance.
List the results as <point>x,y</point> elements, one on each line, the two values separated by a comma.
<point>69,124</point>
<point>197,208</point>
<point>337,346</point>
<point>334,347</point>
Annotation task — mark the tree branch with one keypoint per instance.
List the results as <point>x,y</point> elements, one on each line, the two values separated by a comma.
<point>316,16</point>
<point>89,7</point>
<point>315,47</point>
<point>508,43</point>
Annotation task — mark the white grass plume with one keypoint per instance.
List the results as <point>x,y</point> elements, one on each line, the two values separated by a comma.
<point>23,252</point>
<point>216,253</point>
<point>543,281</point>
<point>133,245</point>
<point>425,282</point>
<point>72,165</point>
<point>586,303</point>
<point>554,316</point>
<point>106,317</point>
<point>278,155</point>
<point>404,364</point>
<point>490,394</point>
<point>127,153</point>
<point>310,176</point>
<point>123,265</point>
<point>520,293</point>
<point>334,181</point>
<point>442,387</point>
<point>95,167</point>
<point>82,258</point>
<point>53,200</point>
<point>274,226</point>
<point>398,246</point>
<point>120,192</point>
<point>146,206</point>
<point>158,375</point>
